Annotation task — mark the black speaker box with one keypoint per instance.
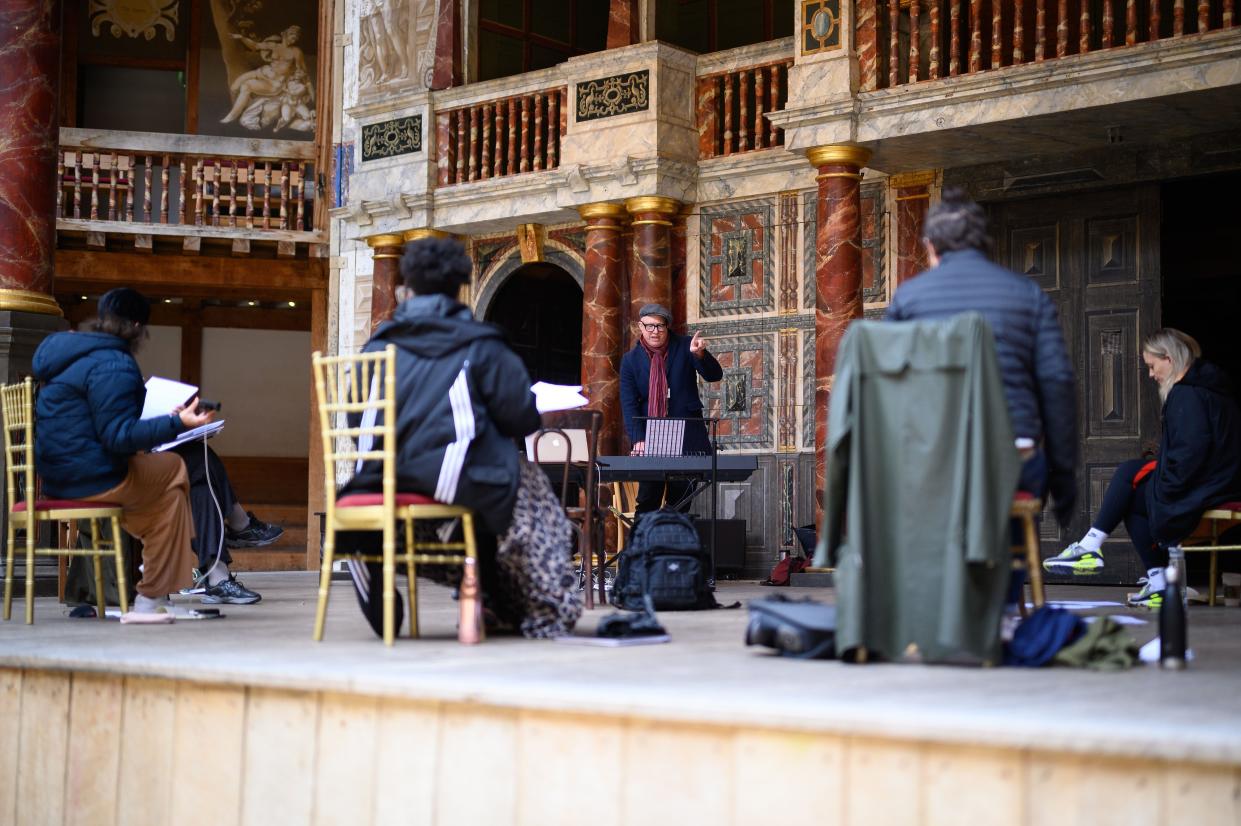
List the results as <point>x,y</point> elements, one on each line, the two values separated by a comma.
<point>729,542</point>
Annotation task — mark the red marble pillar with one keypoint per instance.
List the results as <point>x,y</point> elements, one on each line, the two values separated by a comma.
<point>622,23</point>
<point>913,198</point>
<point>29,87</point>
<point>446,71</point>
<point>838,277</point>
<point>386,275</point>
<point>650,274</point>
<point>602,326</point>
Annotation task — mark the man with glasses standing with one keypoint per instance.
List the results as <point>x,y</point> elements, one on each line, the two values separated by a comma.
<point>658,379</point>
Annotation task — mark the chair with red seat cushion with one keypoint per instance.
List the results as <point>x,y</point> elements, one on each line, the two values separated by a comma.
<point>365,386</point>
<point>18,410</point>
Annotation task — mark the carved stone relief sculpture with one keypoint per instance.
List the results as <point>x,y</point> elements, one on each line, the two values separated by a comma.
<point>394,46</point>
<point>277,93</point>
<point>134,18</point>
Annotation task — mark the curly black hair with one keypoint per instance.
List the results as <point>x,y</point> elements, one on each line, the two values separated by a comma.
<point>433,266</point>
<point>956,223</point>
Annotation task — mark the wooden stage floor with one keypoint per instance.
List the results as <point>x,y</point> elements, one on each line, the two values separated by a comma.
<point>701,730</point>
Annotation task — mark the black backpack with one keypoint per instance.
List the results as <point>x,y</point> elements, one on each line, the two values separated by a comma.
<point>665,559</point>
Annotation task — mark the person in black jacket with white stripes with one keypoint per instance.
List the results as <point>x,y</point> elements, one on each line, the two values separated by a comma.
<point>463,399</point>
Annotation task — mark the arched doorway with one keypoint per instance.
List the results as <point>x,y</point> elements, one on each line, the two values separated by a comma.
<point>539,305</point>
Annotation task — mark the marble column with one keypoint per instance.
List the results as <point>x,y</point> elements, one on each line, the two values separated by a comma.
<point>622,23</point>
<point>602,326</point>
<point>650,274</point>
<point>838,276</point>
<point>386,250</point>
<point>446,71</point>
<point>679,274</point>
<point>913,198</point>
<point>30,66</point>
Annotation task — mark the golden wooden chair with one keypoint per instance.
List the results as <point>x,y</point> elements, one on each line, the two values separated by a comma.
<point>1206,538</point>
<point>27,510</point>
<point>364,386</point>
<point>1026,508</point>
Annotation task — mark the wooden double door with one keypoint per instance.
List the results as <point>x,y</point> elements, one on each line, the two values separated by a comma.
<point>1098,256</point>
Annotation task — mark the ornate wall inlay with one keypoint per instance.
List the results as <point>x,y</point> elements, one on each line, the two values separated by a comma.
<point>807,392</point>
<point>788,252</point>
<point>820,25</point>
<point>135,18</point>
<point>607,97</point>
<point>743,398</point>
<point>342,172</point>
<point>736,259</point>
<point>786,392</point>
<point>389,138</point>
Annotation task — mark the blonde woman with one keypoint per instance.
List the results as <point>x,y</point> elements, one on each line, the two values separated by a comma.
<point>1198,465</point>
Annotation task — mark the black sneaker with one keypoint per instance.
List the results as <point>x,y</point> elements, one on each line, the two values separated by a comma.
<point>230,591</point>
<point>255,535</point>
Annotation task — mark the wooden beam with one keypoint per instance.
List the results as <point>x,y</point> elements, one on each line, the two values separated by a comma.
<point>192,63</point>
<point>180,275</point>
<point>317,487</point>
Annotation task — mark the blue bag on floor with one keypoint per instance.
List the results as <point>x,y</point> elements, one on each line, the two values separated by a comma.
<point>1041,635</point>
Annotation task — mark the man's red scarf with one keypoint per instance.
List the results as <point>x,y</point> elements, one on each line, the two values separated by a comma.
<point>657,389</point>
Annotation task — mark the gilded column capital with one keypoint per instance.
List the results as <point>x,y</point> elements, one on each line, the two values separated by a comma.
<point>667,208</point>
<point>29,301</point>
<point>424,232</point>
<point>603,210</point>
<point>839,153</point>
<point>384,244</point>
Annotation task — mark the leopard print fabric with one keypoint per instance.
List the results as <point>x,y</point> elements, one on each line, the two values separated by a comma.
<point>535,589</point>
<point>538,590</point>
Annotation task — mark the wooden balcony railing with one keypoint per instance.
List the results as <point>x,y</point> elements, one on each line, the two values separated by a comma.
<point>914,40</point>
<point>502,137</point>
<point>731,106</point>
<point>155,187</point>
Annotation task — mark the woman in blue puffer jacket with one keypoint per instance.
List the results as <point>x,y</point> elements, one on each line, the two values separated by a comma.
<point>89,440</point>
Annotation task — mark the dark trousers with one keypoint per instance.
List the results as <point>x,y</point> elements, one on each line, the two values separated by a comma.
<point>651,494</point>
<point>1124,502</point>
<point>203,466</point>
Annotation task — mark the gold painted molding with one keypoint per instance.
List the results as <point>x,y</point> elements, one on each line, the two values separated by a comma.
<point>603,209</point>
<point>839,153</point>
<point>652,203</point>
<point>530,239</point>
<point>29,301</point>
<point>384,241</point>
<point>425,232</point>
<point>908,179</point>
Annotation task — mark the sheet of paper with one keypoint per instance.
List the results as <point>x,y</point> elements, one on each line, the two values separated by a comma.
<point>614,642</point>
<point>165,394</point>
<point>549,397</point>
<point>205,432</point>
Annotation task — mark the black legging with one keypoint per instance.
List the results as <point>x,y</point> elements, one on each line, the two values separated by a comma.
<point>1125,502</point>
<point>209,534</point>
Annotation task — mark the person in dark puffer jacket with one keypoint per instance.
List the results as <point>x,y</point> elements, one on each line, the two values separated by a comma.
<point>89,440</point>
<point>1160,501</point>
<point>463,398</point>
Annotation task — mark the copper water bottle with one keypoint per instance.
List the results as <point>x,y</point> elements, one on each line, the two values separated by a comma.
<point>470,623</point>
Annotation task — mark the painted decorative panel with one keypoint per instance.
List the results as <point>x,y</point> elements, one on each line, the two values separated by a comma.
<point>820,26</point>
<point>736,261</point>
<point>1112,247</point>
<point>389,138</point>
<point>874,277</point>
<point>342,172</point>
<point>787,230</point>
<point>1112,374</point>
<point>786,412</point>
<point>608,97</point>
<point>743,398</point>
<point>1034,251</point>
<point>807,393</point>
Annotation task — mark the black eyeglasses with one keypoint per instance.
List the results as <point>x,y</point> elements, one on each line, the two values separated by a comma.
<point>653,328</point>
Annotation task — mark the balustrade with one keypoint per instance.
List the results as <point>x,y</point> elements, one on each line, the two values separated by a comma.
<point>498,138</point>
<point>183,190</point>
<point>916,40</point>
<point>732,105</point>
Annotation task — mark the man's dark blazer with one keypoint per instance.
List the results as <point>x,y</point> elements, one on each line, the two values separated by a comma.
<point>683,400</point>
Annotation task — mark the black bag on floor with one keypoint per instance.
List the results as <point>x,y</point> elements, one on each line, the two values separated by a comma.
<point>800,628</point>
<point>664,558</point>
